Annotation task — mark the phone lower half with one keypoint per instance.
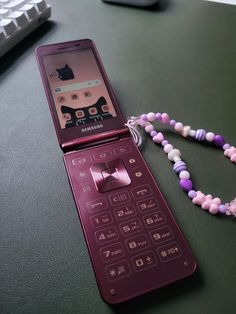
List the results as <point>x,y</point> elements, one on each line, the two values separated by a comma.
<point>133,240</point>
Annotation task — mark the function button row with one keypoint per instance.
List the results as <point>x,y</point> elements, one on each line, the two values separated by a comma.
<point>102,155</point>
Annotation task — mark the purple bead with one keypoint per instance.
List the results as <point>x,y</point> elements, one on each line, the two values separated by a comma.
<point>186,184</point>
<point>200,135</point>
<point>222,209</point>
<point>144,117</point>
<point>158,116</point>
<point>179,166</point>
<point>172,122</point>
<point>192,193</point>
<point>226,146</point>
<point>219,141</point>
<point>164,143</point>
<point>153,133</point>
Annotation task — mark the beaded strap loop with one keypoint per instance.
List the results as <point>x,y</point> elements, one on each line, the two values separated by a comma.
<point>207,202</point>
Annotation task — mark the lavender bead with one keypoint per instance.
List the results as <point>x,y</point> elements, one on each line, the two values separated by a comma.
<point>172,122</point>
<point>226,146</point>
<point>153,133</point>
<point>200,135</point>
<point>219,141</point>
<point>144,117</point>
<point>164,143</point>
<point>158,116</point>
<point>192,193</point>
<point>186,184</point>
<point>179,166</point>
<point>222,209</point>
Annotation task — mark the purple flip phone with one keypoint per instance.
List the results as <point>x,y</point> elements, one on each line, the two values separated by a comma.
<point>133,240</point>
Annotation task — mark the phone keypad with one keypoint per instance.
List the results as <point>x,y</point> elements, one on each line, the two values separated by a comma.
<point>130,230</point>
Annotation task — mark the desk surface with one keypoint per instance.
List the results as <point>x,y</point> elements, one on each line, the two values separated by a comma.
<point>180,60</point>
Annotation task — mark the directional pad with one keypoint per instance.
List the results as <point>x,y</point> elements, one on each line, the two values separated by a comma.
<point>110,175</point>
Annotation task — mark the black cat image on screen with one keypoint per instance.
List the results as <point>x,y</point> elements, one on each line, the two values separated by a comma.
<point>65,73</point>
<point>96,112</point>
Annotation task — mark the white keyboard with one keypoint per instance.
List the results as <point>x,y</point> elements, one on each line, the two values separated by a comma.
<point>18,18</point>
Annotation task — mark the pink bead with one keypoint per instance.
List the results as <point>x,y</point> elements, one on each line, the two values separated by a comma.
<point>158,138</point>
<point>232,206</point>
<point>151,116</point>
<point>149,128</point>
<point>179,127</point>
<point>233,158</point>
<point>213,209</point>
<point>165,118</point>
<point>216,200</point>
<point>199,199</point>
<point>206,204</point>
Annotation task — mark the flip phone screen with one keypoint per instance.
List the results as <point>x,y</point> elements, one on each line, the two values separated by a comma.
<point>133,240</point>
<point>78,88</point>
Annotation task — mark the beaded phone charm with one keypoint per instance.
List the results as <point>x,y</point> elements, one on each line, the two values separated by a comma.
<point>207,202</point>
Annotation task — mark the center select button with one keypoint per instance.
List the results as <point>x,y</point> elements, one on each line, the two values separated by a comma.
<point>110,175</point>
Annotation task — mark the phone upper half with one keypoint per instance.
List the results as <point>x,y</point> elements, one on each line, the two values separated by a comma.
<point>78,90</point>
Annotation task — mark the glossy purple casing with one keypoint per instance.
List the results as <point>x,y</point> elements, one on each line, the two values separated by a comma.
<point>133,240</point>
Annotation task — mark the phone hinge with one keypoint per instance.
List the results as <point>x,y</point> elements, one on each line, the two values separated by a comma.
<point>94,139</point>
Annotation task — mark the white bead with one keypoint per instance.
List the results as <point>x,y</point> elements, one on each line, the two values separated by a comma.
<point>185,131</point>
<point>192,133</point>
<point>210,136</point>
<point>168,148</point>
<point>184,175</point>
<point>173,153</point>
<point>151,116</point>
<point>176,158</point>
<point>149,128</point>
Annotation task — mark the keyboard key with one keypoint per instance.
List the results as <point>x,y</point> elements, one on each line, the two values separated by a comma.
<point>19,18</point>
<point>3,2</point>
<point>4,13</point>
<point>39,4</point>
<point>7,26</point>
<point>29,10</point>
<point>14,5</point>
<point>2,37</point>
